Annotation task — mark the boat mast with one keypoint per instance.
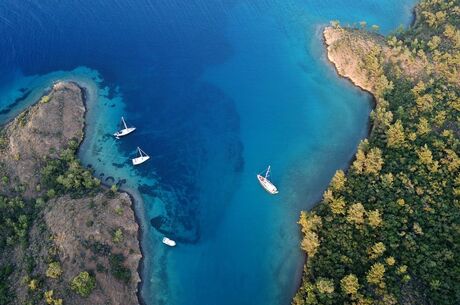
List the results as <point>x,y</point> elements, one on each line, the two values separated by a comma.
<point>140,151</point>
<point>124,123</point>
<point>268,172</point>
<point>143,154</point>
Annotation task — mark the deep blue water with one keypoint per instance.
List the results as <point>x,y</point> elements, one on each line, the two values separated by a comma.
<point>218,90</point>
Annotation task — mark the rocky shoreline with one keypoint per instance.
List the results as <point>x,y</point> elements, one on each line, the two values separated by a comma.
<point>136,206</point>
<point>349,51</point>
<point>96,231</point>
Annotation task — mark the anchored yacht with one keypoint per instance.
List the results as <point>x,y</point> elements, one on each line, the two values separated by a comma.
<point>142,157</point>
<point>125,131</point>
<point>267,184</point>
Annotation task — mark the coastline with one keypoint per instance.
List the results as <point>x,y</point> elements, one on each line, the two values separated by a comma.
<point>138,211</point>
<point>334,64</point>
<point>373,99</point>
<point>396,78</point>
<point>68,107</point>
<point>137,202</point>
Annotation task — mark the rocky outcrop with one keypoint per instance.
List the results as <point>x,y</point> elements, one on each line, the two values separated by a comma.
<point>40,132</point>
<point>353,53</point>
<point>346,49</point>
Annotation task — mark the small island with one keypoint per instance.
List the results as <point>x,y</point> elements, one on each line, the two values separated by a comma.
<point>387,230</point>
<point>64,238</point>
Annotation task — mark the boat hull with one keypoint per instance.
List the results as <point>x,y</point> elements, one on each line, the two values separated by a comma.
<point>140,160</point>
<point>124,132</point>
<point>169,242</point>
<point>267,185</point>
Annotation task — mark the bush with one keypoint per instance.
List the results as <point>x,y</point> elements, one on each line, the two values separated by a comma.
<point>117,269</point>
<point>100,268</point>
<point>5,294</point>
<point>54,270</point>
<point>97,247</point>
<point>117,236</point>
<point>45,99</point>
<point>119,211</point>
<point>83,284</point>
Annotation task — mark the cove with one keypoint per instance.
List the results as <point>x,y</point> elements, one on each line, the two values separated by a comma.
<point>218,90</point>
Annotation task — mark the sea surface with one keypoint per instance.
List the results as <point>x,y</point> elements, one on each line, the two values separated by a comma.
<point>218,90</point>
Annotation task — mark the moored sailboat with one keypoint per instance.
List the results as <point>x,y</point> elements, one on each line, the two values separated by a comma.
<point>142,157</point>
<point>266,183</point>
<point>125,131</point>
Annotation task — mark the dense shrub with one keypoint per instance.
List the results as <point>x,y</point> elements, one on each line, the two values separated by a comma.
<point>117,269</point>
<point>6,296</point>
<point>54,270</point>
<point>83,284</point>
<point>14,221</point>
<point>67,175</point>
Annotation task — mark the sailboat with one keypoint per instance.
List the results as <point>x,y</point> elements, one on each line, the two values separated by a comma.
<point>267,184</point>
<point>169,242</point>
<point>142,157</point>
<point>125,131</point>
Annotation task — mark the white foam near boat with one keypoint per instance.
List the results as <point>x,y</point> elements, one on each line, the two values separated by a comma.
<point>125,131</point>
<point>267,184</point>
<point>169,242</point>
<point>142,157</point>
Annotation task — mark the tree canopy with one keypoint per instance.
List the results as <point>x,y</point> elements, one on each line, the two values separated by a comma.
<point>387,231</point>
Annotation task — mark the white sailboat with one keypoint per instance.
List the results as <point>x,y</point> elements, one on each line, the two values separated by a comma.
<point>125,131</point>
<point>267,184</point>
<point>142,157</point>
<point>169,242</point>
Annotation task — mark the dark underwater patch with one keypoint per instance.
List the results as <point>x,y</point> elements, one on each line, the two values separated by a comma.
<point>15,103</point>
<point>117,165</point>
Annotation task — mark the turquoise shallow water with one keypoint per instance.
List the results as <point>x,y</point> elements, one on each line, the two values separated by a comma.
<point>218,90</point>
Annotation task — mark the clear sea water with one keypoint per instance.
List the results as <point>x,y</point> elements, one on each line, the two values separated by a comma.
<point>218,89</point>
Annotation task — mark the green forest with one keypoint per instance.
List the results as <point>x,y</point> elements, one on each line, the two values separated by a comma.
<point>387,231</point>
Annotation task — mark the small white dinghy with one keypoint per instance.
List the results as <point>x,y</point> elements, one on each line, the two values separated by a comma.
<point>169,242</point>
<point>267,184</point>
<point>142,158</point>
<point>125,131</point>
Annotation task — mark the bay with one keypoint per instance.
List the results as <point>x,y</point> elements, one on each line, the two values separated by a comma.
<point>218,90</point>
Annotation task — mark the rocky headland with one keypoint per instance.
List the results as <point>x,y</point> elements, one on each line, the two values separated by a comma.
<point>79,243</point>
<point>360,55</point>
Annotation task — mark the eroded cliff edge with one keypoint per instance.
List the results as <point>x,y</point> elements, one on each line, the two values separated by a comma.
<point>66,239</point>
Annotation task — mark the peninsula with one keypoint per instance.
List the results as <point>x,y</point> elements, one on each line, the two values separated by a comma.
<point>64,238</point>
<point>387,230</point>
